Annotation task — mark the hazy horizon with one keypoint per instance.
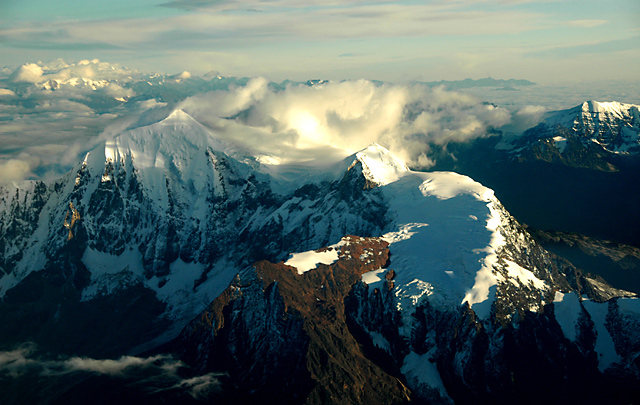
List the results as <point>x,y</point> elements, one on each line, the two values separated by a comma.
<point>544,41</point>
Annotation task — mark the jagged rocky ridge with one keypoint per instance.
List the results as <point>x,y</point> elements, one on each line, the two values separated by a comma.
<point>590,135</point>
<point>166,216</point>
<point>574,172</point>
<point>534,335</point>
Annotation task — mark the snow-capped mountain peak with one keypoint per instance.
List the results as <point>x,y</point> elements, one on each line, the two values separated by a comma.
<point>164,221</point>
<point>611,107</point>
<point>596,129</point>
<point>589,111</point>
<point>379,165</point>
<point>175,139</point>
<point>178,117</point>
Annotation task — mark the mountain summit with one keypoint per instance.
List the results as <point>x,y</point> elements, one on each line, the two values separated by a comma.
<point>590,135</point>
<point>424,280</point>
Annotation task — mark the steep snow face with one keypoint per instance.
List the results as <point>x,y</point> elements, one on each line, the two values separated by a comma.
<point>444,241</point>
<point>21,226</point>
<point>147,201</point>
<point>420,371</point>
<point>612,125</point>
<point>380,166</point>
<point>164,149</point>
<point>445,235</point>
<point>590,110</point>
<point>169,208</point>
<point>611,321</point>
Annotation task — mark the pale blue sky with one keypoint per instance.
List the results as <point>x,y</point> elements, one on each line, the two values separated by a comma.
<point>541,40</point>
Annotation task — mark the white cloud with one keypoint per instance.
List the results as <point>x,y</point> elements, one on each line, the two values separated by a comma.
<point>17,169</point>
<point>29,72</point>
<point>524,118</point>
<point>200,386</point>
<point>586,23</point>
<point>301,121</point>
<point>6,93</point>
<point>226,103</point>
<point>108,366</point>
<point>117,91</point>
<point>58,70</point>
<point>163,371</point>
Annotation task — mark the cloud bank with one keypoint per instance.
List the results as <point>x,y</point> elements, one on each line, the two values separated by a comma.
<point>50,113</point>
<point>302,121</point>
<point>49,125</point>
<point>54,112</point>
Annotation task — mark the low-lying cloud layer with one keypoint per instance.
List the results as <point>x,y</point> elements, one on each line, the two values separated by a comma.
<point>155,374</point>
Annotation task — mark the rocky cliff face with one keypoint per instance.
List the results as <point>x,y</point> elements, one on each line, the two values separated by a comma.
<point>284,337</point>
<point>327,336</point>
<point>463,310</point>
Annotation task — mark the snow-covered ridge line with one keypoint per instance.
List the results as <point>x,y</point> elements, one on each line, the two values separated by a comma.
<point>592,127</point>
<point>592,110</point>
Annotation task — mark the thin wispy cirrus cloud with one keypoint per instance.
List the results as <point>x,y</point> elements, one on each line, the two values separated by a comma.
<point>287,39</point>
<point>586,23</point>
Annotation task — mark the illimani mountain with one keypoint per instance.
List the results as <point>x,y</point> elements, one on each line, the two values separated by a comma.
<point>361,281</point>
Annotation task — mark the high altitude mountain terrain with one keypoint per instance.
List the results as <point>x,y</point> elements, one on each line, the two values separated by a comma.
<point>362,281</point>
<point>576,171</point>
<point>590,135</point>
